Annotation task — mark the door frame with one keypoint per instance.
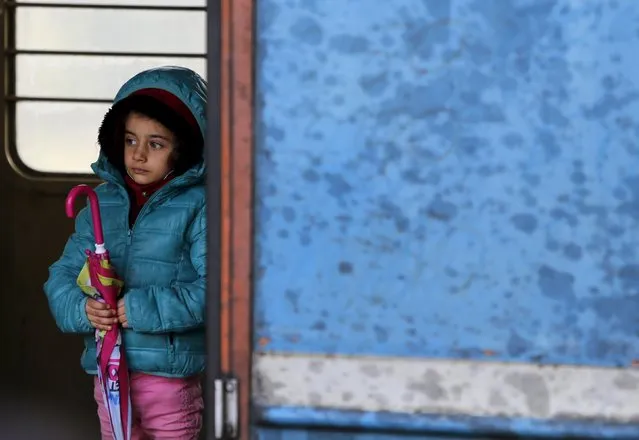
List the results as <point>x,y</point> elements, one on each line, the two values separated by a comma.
<point>230,72</point>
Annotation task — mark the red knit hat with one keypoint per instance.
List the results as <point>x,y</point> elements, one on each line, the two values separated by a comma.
<point>173,102</point>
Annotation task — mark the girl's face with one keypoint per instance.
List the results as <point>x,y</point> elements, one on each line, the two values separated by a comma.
<point>148,147</point>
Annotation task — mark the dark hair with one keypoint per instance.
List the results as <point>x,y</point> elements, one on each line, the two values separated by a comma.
<point>189,145</point>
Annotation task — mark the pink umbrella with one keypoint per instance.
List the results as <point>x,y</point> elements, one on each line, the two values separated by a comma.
<point>99,280</point>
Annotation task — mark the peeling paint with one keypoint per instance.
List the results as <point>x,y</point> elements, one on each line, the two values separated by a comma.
<point>495,165</point>
<point>430,386</point>
<point>300,434</point>
<point>449,179</point>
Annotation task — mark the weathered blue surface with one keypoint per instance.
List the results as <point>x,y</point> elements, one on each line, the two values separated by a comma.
<point>307,434</point>
<point>455,178</point>
<point>301,434</point>
<point>405,426</point>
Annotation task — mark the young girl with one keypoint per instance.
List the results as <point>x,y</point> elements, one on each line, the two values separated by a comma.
<point>153,209</point>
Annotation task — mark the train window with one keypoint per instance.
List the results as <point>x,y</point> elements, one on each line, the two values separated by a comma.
<point>66,61</point>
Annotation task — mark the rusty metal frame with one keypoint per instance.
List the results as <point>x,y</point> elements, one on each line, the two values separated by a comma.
<point>237,79</point>
<point>214,194</point>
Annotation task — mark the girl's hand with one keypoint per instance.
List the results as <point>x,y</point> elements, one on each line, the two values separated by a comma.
<point>100,314</point>
<point>121,314</point>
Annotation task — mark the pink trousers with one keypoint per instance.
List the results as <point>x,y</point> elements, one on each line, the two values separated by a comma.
<point>163,408</point>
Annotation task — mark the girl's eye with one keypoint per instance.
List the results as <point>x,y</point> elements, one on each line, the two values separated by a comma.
<point>129,141</point>
<point>156,146</point>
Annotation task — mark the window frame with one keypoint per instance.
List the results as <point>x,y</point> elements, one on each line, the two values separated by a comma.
<point>10,99</point>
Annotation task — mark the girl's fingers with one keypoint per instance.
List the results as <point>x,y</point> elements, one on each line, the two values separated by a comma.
<point>100,315</point>
<point>101,320</point>
<point>97,304</point>
<point>101,326</point>
<point>103,313</point>
<point>96,308</point>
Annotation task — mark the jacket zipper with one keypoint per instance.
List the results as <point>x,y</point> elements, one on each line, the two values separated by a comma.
<point>128,236</point>
<point>171,347</point>
<point>129,240</point>
<point>128,212</point>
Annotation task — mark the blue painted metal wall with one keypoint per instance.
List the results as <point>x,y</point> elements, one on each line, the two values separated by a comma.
<point>449,178</point>
<point>299,434</point>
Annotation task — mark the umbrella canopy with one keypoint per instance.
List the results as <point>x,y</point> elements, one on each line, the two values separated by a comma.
<point>99,280</point>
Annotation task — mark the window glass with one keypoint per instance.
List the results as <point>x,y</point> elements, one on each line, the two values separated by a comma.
<point>58,137</point>
<point>54,76</point>
<point>61,137</point>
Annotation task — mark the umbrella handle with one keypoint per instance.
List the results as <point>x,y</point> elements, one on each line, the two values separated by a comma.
<point>95,212</point>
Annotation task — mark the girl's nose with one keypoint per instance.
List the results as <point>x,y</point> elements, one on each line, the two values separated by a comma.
<point>140,153</point>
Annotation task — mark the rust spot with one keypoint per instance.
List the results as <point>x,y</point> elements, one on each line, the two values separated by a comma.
<point>490,353</point>
<point>264,341</point>
<point>635,363</point>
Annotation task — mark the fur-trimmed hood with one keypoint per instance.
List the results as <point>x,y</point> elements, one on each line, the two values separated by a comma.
<point>183,83</point>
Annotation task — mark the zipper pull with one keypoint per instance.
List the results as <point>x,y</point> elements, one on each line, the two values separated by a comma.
<point>129,238</point>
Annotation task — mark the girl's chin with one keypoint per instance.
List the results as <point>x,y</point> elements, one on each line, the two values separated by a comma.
<point>144,181</point>
<point>141,178</point>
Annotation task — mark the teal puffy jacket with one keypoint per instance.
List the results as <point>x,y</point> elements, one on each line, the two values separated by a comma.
<point>162,258</point>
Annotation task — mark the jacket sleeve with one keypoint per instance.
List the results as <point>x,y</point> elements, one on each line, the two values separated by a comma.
<point>66,300</point>
<point>180,307</point>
